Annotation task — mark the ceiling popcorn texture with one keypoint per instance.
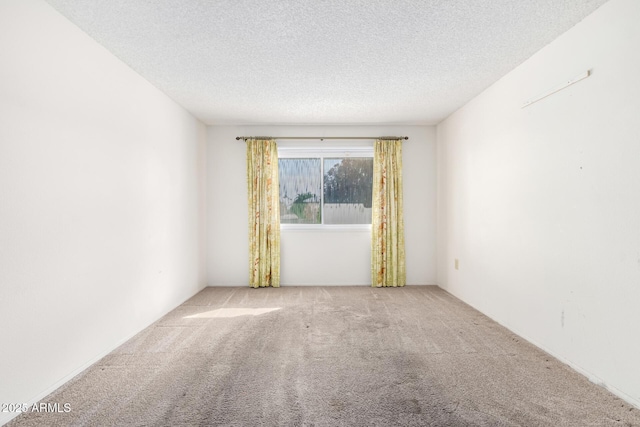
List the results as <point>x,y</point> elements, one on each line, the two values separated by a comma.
<point>323,61</point>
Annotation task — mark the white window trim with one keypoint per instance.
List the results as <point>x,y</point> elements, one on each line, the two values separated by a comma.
<point>325,227</point>
<point>324,152</point>
<point>304,152</point>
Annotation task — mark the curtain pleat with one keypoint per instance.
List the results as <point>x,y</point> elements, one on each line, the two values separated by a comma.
<point>264,213</point>
<point>387,225</point>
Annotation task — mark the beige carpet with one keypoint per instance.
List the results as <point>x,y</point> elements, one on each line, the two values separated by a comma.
<point>330,356</point>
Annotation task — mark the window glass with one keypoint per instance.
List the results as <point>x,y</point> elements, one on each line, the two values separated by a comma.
<point>300,190</point>
<point>347,186</point>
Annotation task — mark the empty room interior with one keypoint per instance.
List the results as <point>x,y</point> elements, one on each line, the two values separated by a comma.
<point>484,270</point>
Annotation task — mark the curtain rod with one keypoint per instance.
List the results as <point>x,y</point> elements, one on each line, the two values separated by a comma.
<point>321,138</point>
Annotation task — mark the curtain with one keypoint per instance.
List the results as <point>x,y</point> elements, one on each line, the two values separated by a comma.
<point>387,224</point>
<point>264,213</point>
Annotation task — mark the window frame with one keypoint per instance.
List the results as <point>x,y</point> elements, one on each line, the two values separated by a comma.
<point>322,153</point>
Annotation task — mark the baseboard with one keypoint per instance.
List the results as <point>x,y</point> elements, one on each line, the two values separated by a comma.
<point>62,381</point>
<point>314,284</point>
<point>5,417</point>
<point>589,375</point>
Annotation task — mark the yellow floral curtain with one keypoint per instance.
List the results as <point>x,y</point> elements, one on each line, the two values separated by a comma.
<point>264,213</point>
<point>387,226</point>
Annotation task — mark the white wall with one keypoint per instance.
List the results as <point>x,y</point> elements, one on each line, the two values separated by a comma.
<point>312,257</point>
<point>101,201</point>
<point>541,205</point>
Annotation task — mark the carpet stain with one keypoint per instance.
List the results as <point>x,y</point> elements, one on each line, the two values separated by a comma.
<point>336,404</point>
<point>411,406</point>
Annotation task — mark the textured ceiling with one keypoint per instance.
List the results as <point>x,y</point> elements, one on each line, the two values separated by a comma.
<point>323,61</point>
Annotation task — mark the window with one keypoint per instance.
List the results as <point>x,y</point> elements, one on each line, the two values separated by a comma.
<point>328,186</point>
